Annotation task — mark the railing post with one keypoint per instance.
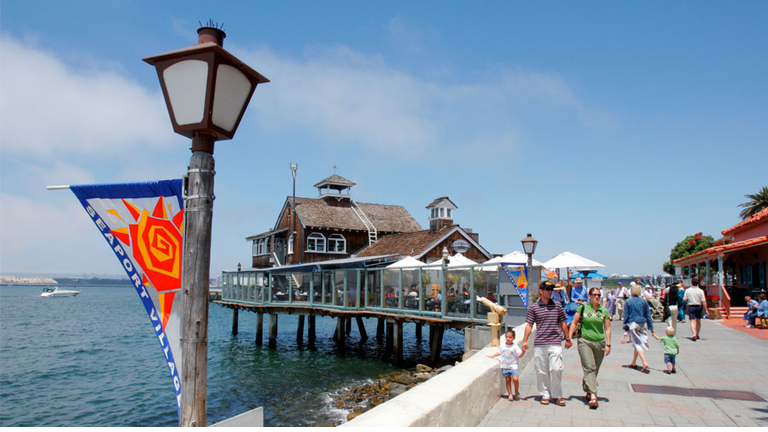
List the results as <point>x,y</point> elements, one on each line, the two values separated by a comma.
<point>290,287</point>
<point>472,301</point>
<point>381,279</point>
<point>357,291</point>
<point>400,290</point>
<point>322,289</point>
<point>444,294</point>
<point>421,292</point>
<point>311,288</point>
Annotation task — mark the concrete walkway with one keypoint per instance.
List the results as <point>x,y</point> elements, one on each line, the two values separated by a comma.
<point>723,359</point>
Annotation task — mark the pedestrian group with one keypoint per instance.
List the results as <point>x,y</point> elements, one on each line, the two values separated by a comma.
<point>591,324</point>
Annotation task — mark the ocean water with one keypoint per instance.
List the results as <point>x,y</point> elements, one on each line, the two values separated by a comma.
<point>93,360</point>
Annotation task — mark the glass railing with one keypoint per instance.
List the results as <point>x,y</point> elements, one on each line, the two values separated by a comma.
<point>434,291</point>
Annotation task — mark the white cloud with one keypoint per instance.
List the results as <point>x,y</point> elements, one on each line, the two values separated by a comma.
<point>350,98</point>
<point>50,109</point>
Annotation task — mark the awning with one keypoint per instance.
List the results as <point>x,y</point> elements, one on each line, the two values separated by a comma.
<point>266,234</point>
<point>345,263</point>
<point>715,251</point>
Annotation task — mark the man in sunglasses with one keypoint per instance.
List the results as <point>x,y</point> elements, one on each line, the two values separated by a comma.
<point>549,317</point>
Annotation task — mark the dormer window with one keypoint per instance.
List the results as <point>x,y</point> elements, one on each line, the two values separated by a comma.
<point>316,243</point>
<point>337,244</point>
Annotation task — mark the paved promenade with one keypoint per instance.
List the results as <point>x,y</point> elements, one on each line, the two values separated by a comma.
<point>723,359</point>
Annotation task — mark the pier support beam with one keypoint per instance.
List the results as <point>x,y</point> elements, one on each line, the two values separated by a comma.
<point>311,331</point>
<point>300,331</point>
<point>259,328</point>
<point>361,329</point>
<point>389,343</point>
<point>436,342</point>
<point>380,330</point>
<point>272,330</point>
<point>235,313</point>
<point>398,343</point>
<point>341,332</point>
<point>418,331</point>
<point>348,325</point>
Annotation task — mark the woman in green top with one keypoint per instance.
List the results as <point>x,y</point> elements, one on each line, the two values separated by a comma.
<point>595,341</point>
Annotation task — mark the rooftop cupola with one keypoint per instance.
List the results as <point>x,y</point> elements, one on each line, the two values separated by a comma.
<point>441,213</point>
<point>336,187</point>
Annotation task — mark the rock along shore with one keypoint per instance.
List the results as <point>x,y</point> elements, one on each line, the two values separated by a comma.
<point>358,400</point>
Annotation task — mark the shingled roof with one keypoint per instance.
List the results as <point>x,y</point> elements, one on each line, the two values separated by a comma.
<point>317,213</point>
<point>410,243</point>
<point>336,180</point>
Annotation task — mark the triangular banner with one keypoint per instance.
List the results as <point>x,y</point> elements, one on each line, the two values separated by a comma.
<point>143,225</point>
<point>518,276</point>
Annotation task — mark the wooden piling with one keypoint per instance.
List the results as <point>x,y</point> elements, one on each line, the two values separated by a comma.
<point>436,343</point>
<point>272,330</point>
<point>389,343</point>
<point>235,313</point>
<point>311,331</point>
<point>340,332</point>
<point>361,329</point>
<point>300,331</point>
<point>380,330</point>
<point>259,328</point>
<point>398,343</point>
<point>418,331</point>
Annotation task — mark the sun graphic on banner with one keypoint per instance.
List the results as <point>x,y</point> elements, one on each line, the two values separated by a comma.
<point>156,242</point>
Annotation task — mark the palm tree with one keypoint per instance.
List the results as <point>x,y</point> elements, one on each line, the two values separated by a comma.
<point>758,202</point>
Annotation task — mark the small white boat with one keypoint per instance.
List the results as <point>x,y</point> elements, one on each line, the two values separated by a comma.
<point>58,292</point>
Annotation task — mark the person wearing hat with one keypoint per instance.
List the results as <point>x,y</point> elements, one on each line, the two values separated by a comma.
<point>647,292</point>
<point>549,317</point>
<point>578,292</point>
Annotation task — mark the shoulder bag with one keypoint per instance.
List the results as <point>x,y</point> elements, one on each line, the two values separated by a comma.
<point>578,325</point>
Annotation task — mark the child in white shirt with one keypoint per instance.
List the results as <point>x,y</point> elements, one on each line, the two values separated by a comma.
<point>510,354</point>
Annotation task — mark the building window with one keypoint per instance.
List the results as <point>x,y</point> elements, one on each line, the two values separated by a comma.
<point>316,243</point>
<point>449,214</point>
<point>260,247</point>
<point>290,244</point>
<point>442,212</point>
<point>337,243</point>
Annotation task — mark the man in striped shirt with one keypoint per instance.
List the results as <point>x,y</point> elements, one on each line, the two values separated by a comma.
<point>549,317</point>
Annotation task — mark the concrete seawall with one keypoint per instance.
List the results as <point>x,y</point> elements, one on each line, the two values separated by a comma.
<point>460,396</point>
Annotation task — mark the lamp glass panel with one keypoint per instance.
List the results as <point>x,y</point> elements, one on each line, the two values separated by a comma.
<point>232,90</point>
<point>186,83</point>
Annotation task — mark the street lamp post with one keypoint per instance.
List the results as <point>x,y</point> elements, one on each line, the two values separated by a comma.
<point>206,91</point>
<point>529,247</point>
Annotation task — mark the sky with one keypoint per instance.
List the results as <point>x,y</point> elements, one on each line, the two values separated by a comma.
<point>608,129</point>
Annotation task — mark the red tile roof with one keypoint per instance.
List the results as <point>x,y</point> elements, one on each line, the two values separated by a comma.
<point>757,218</point>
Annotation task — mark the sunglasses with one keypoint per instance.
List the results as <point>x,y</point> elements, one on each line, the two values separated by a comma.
<point>596,295</point>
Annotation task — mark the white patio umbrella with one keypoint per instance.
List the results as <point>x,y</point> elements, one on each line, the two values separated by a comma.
<point>407,262</point>
<point>570,260</point>
<point>457,260</point>
<point>512,257</point>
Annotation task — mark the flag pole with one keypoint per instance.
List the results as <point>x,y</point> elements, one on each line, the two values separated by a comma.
<point>59,187</point>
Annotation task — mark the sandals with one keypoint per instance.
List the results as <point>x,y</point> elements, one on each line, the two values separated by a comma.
<point>645,370</point>
<point>560,402</point>
<point>593,404</point>
<point>545,401</point>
